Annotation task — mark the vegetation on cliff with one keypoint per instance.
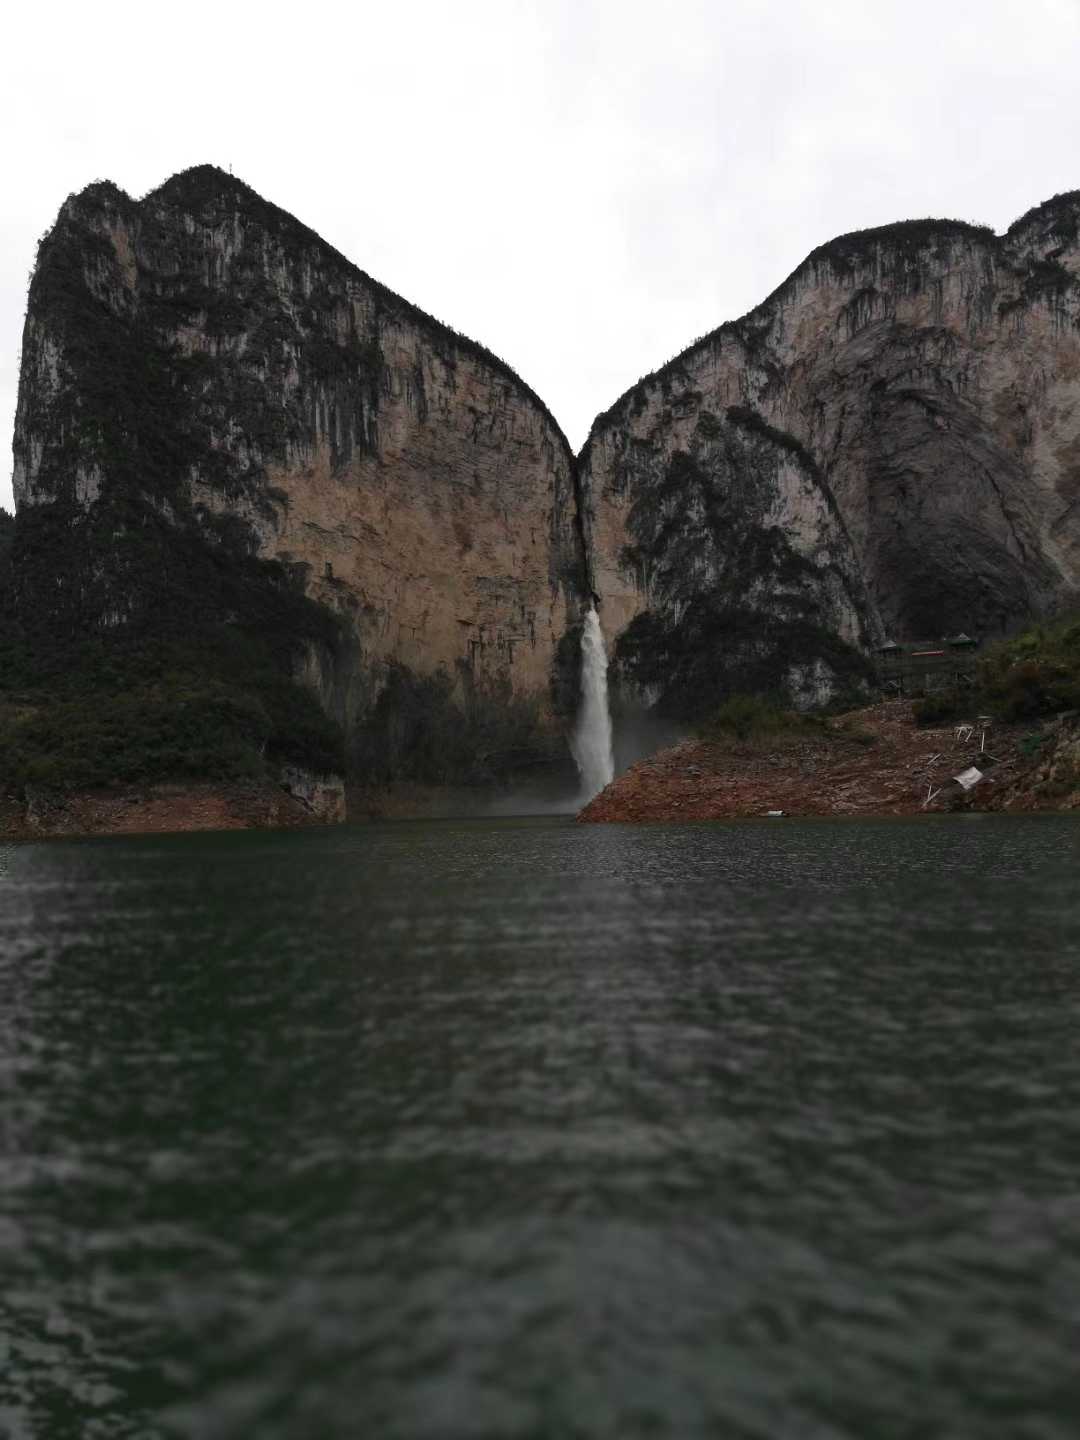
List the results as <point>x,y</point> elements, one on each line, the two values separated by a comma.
<point>902,244</point>
<point>734,606</point>
<point>421,729</point>
<point>758,720</point>
<point>197,685</point>
<point>720,648</point>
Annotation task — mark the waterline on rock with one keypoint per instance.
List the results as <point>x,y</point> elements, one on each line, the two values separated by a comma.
<point>591,740</point>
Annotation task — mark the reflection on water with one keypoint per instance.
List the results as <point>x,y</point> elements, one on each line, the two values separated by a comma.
<point>526,1129</point>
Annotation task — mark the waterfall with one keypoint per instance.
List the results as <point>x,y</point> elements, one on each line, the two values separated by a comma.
<point>591,740</point>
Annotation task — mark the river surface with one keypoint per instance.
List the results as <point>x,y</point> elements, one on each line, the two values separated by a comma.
<point>522,1129</point>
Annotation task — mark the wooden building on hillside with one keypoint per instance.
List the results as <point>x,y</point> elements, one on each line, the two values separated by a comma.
<point>919,666</point>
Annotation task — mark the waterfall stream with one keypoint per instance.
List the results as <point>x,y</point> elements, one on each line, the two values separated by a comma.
<point>591,740</point>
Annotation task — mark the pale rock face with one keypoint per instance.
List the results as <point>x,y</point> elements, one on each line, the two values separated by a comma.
<point>810,685</point>
<point>445,541</point>
<point>42,377</point>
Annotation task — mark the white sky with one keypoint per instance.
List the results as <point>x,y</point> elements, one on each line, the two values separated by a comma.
<point>585,186</point>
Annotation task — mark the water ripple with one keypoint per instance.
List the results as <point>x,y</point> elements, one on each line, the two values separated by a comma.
<point>521,1129</point>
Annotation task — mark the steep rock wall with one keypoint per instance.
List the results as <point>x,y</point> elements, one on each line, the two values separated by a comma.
<point>199,364</point>
<point>928,376</point>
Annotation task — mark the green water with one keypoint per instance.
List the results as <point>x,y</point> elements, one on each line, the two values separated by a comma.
<point>518,1128</point>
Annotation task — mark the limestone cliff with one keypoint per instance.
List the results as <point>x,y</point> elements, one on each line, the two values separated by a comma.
<point>891,441</point>
<point>223,421</point>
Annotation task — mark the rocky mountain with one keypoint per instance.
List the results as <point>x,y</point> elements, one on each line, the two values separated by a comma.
<point>270,514</point>
<point>890,442</point>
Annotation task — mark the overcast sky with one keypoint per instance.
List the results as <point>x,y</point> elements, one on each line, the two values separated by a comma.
<point>585,186</point>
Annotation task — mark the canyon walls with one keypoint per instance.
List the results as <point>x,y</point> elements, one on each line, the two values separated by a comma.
<point>269,511</point>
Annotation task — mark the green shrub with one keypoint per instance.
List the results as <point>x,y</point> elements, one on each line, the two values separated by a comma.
<point>756,717</point>
<point>745,716</point>
<point>419,729</point>
<point>941,707</point>
<point>141,706</point>
<point>158,732</point>
<point>1032,674</point>
<point>718,649</point>
<point>1030,746</point>
<point>857,734</point>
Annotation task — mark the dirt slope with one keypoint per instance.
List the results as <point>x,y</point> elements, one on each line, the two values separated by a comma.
<point>871,762</point>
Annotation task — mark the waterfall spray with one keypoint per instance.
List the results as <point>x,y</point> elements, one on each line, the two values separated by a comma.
<point>591,741</point>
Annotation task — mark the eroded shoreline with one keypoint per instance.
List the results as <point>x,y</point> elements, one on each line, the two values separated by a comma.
<point>871,762</point>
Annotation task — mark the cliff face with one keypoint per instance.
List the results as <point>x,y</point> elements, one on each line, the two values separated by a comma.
<point>898,426</point>
<point>201,374</point>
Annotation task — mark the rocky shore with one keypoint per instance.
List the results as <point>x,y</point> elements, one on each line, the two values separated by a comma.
<point>150,809</point>
<point>875,761</point>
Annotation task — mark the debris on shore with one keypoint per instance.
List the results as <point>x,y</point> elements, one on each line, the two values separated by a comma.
<point>873,761</point>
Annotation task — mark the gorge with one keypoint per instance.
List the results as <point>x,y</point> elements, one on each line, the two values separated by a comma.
<point>274,523</point>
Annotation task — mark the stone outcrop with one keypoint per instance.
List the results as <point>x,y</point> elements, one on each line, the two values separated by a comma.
<point>902,415</point>
<point>322,796</point>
